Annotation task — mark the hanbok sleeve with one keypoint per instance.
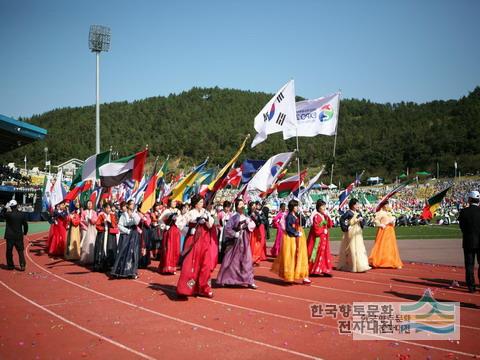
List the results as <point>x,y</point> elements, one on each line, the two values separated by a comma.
<point>317,225</point>
<point>93,219</point>
<point>122,224</point>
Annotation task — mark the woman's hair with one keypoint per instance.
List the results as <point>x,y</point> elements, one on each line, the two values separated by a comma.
<point>227,203</point>
<point>237,201</point>
<point>319,204</point>
<point>195,200</point>
<point>106,204</point>
<point>283,205</point>
<point>352,203</point>
<point>292,204</point>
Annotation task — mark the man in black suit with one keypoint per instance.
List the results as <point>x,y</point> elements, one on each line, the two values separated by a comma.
<point>16,227</point>
<point>469,220</point>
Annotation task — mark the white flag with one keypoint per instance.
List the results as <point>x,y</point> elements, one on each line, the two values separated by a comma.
<point>58,192</point>
<point>315,117</point>
<point>269,172</point>
<point>277,115</point>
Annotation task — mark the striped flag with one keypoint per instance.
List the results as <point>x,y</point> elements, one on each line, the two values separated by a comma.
<point>179,189</point>
<point>391,193</point>
<point>149,194</point>
<point>291,184</point>
<point>89,169</point>
<point>130,167</point>
<point>343,198</point>
<point>432,204</point>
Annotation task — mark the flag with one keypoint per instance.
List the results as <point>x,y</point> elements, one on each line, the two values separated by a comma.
<point>130,167</point>
<point>58,191</point>
<point>47,193</point>
<point>290,184</point>
<point>312,182</point>
<point>79,188</point>
<point>163,170</point>
<point>342,199</point>
<point>95,197</point>
<point>391,193</point>
<point>278,115</point>
<point>267,175</point>
<point>315,117</point>
<point>137,193</point>
<point>215,184</point>
<point>149,195</point>
<point>89,169</point>
<point>432,204</point>
<point>249,168</point>
<point>178,190</point>
<point>233,178</point>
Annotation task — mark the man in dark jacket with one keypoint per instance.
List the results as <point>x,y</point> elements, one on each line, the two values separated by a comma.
<point>469,220</point>
<point>16,227</point>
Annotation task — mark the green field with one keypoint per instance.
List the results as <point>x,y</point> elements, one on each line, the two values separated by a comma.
<point>33,227</point>
<point>403,233</point>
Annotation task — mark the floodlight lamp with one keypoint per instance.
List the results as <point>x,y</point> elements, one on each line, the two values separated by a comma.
<point>99,38</point>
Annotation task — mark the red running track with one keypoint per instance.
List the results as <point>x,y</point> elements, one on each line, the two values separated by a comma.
<point>58,310</point>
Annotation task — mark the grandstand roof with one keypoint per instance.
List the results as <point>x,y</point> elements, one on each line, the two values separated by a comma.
<point>15,133</point>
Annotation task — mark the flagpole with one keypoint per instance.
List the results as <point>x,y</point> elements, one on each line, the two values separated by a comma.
<point>335,140</point>
<point>298,167</point>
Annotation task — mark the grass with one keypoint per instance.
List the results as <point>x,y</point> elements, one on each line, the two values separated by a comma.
<point>403,233</point>
<point>33,227</point>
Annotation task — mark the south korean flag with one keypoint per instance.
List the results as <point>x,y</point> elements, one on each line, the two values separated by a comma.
<point>278,115</point>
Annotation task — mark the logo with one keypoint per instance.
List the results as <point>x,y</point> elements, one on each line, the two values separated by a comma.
<point>275,168</point>
<point>326,113</point>
<point>429,316</point>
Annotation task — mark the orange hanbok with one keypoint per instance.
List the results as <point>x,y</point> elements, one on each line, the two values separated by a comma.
<point>385,252</point>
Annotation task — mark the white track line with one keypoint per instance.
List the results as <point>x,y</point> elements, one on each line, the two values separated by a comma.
<point>370,294</point>
<point>113,342</point>
<point>176,319</point>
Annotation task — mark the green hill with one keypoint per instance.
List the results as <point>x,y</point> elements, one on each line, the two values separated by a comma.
<point>383,139</point>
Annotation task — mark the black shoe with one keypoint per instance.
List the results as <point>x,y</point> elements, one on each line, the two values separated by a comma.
<point>327,275</point>
<point>10,267</point>
<point>22,267</point>
<point>471,290</point>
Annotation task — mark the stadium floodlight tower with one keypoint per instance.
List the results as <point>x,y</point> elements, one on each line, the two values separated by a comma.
<point>98,41</point>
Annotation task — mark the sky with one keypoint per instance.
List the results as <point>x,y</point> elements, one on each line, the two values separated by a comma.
<point>384,51</point>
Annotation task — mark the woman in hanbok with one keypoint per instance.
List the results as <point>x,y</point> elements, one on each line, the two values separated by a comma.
<point>89,234</point>
<point>237,266</point>
<point>106,242</point>
<point>170,251</point>
<point>385,252</point>
<point>292,262</point>
<point>72,250</point>
<point>258,241</point>
<point>276,223</point>
<point>181,223</point>
<point>145,243</point>
<point>223,216</point>
<point>197,260</point>
<point>353,256</point>
<point>156,231</point>
<point>58,240</point>
<point>318,243</point>
<point>126,263</point>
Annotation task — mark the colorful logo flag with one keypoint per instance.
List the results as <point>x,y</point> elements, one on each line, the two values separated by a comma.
<point>315,117</point>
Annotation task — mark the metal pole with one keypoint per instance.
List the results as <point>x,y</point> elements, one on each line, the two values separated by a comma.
<point>335,141</point>
<point>97,122</point>
<point>298,167</point>
<point>438,170</point>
